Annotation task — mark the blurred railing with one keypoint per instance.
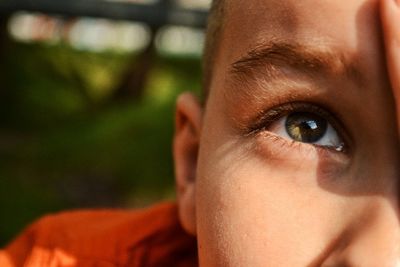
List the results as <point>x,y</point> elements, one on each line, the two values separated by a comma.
<point>155,15</point>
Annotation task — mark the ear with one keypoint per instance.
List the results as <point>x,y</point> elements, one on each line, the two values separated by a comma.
<point>188,119</point>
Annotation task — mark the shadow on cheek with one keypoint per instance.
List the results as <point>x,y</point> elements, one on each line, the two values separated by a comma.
<point>356,180</point>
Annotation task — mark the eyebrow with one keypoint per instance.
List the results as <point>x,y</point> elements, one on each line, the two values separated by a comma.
<point>308,59</point>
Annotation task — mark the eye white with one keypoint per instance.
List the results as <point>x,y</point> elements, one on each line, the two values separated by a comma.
<point>330,138</point>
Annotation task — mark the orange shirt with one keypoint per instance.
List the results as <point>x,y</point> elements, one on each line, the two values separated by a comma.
<point>105,238</point>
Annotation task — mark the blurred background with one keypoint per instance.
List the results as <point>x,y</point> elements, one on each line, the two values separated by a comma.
<point>87,93</point>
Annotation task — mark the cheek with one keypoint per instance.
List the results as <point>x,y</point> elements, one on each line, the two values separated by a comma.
<point>247,202</point>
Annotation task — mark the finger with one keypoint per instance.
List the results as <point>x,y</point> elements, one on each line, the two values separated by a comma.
<point>390,17</point>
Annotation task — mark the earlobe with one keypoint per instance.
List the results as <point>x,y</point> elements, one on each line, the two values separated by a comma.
<point>188,119</point>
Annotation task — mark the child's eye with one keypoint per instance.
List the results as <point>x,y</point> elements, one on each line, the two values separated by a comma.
<point>307,127</point>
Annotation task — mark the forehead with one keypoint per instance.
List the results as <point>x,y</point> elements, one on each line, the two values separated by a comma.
<point>348,27</point>
<point>338,22</point>
<point>299,18</point>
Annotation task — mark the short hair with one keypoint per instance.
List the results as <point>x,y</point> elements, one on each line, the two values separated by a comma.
<point>213,32</point>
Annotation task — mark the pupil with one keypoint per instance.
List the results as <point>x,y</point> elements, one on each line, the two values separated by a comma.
<point>306,127</point>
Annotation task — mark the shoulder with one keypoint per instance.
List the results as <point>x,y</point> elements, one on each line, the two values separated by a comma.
<point>91,238</point>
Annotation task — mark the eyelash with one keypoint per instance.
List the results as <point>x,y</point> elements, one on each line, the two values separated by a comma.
<point>261,123</point>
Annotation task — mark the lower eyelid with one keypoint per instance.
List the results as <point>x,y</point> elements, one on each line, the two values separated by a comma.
<point>277,147</point>
<point>295,158</point>
<point>285,145</point>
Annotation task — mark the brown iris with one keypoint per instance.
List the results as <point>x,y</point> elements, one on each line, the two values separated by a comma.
<point>306,127</point>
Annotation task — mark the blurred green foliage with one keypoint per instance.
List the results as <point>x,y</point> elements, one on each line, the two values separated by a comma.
<point>66,143</point>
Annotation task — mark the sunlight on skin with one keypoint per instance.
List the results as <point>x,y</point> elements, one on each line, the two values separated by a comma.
<point>260,198</point>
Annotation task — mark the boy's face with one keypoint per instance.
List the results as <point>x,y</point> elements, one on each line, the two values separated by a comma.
<point>298,160</point>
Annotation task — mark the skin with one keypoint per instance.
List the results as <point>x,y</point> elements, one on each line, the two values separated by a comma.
<point>260,199</point>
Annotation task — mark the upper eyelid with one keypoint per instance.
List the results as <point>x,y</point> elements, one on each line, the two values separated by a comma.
<point>265,118</point>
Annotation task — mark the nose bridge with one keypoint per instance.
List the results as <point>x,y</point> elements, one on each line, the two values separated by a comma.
<point>373,239</point>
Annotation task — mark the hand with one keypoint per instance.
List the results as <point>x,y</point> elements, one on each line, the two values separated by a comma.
<point>390,19</point>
